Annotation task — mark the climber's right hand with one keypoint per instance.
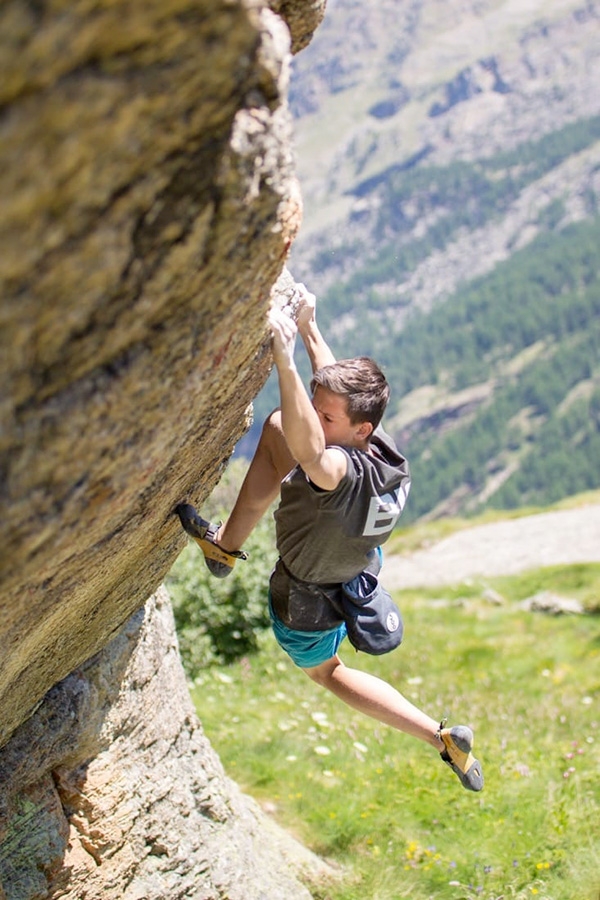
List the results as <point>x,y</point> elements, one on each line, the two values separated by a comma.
<point>283,330</point>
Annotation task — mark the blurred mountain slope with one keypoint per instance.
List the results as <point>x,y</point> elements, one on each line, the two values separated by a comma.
<point>449,156</point>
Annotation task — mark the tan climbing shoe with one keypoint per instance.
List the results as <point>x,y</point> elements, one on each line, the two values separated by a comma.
<point>458,744</point>
<point>219,561</point>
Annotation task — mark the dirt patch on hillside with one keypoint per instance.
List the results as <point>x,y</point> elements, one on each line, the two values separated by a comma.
<point>501,548</point>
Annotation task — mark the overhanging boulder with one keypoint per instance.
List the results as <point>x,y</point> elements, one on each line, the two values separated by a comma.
<point>149,202</point>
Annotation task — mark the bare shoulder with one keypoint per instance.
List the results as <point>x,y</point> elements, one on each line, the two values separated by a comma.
<point>328,470</point>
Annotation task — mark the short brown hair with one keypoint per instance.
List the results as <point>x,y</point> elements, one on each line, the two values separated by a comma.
<point>361,382</point>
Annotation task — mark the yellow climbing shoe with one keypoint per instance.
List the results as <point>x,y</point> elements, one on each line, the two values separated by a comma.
<point>458,744</point>
<point>219,561</point>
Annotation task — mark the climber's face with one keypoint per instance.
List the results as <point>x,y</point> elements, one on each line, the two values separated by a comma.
<point>333,415</point>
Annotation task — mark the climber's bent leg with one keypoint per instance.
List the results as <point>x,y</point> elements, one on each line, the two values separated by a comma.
<point>270,464</point>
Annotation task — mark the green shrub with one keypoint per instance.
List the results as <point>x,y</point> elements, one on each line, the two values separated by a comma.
<point>219,620</point>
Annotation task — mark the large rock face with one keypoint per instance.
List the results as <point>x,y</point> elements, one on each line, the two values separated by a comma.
<point>148,205</point>
<point>133,803</point>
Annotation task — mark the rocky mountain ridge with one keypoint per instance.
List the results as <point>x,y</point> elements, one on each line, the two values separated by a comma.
<point>540,79</point>
<point>433,82</point>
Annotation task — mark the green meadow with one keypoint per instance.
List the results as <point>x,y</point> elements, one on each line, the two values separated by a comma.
<point>381,807</point>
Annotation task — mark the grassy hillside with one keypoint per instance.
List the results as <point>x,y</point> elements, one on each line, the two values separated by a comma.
<point>378,804</point>
<point>381,805</point>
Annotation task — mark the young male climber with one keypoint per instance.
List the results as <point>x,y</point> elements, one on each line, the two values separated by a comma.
<point>342,485</point>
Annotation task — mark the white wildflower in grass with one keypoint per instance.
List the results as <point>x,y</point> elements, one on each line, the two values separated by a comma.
<point>287,725</point>
<point>327,773</point>
<point>291,758</point>
<point>360,747</point>
<point>416,680</point>
<point>321,719</point>
<point>322,750</point>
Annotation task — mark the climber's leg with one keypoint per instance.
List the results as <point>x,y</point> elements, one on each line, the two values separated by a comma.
<point>271,463</point>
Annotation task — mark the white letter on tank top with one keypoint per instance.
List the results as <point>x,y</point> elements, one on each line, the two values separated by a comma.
<point>383,514</point>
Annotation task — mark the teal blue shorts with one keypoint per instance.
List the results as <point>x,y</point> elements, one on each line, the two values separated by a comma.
<point>307,648</point>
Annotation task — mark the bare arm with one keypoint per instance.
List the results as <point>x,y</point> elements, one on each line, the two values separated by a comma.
<point>318,350</point>
<point>325,466</point>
